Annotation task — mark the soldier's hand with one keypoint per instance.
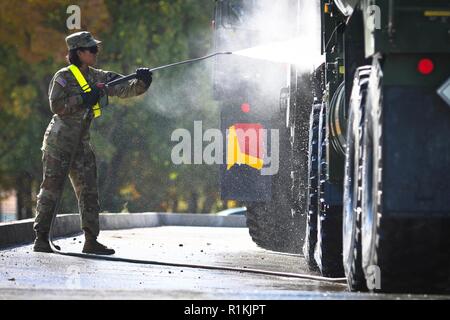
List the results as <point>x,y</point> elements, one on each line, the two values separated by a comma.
<point>91,98</point>
<point>144,74</point>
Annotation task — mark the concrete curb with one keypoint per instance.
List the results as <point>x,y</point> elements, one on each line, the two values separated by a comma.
<point>202,220</point>
<point>21,232</point>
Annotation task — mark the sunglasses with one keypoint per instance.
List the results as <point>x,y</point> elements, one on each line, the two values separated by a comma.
<point>93,50</point>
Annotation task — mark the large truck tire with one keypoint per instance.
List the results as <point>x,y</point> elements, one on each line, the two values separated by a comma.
<point>351,232</point>
<point>328,250</point>
<point>272,224</point>
<point>401,252</point>
<point>312,199</point>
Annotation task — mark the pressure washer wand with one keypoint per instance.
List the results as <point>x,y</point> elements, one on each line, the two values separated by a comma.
<point>133,75</point>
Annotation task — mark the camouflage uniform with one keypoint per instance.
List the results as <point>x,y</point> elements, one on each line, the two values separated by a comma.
<point>61,138</point>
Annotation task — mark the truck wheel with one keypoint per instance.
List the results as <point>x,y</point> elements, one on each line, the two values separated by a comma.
<point>311,217</point>
<point>272,227</point>
<point>272,224</point>
<point>328,250</point>
<point>258,223</point>
<point>353,183</point>
<point>400,253</point>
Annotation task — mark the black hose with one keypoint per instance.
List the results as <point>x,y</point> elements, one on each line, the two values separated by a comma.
<point>87,117</point>
<point>203,266</point>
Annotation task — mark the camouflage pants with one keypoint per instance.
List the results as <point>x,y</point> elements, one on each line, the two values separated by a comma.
<point>83,176</point>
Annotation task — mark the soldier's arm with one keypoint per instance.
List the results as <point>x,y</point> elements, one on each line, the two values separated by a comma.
<point>131,88</point>
<point>62,101</point>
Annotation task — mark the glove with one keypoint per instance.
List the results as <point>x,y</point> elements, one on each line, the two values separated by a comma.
<point>91,98</point>
<point>144,74</point>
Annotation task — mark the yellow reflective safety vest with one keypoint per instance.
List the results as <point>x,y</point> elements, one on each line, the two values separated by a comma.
<point>85,87</point>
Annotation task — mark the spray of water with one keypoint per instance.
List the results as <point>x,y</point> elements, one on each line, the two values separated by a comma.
<point>268,41</point>
<point>294,51</point>
<point>272,36</point>
<point>302,44</point>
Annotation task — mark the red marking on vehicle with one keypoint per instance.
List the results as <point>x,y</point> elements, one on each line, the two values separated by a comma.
<point>425,66</point>
<point>250,138</point>
<point>245,107</point>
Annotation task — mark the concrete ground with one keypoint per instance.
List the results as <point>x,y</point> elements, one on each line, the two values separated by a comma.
<point>28,275</point>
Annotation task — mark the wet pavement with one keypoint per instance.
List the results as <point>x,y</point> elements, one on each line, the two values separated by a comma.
<point>28,275</point>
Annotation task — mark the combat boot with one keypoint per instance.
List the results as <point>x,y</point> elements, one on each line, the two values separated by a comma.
<point>41,243</point>
<point>94,247</point>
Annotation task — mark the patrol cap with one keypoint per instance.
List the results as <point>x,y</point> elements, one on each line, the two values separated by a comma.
<point>82,39</point>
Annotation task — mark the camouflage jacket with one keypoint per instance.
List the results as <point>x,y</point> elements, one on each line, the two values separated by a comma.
<point>66,103</point>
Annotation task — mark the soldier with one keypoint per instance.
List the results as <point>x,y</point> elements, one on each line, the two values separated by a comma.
<point>69,96</point>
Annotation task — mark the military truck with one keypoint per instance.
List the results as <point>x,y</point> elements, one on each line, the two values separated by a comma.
<point>365,143</point>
